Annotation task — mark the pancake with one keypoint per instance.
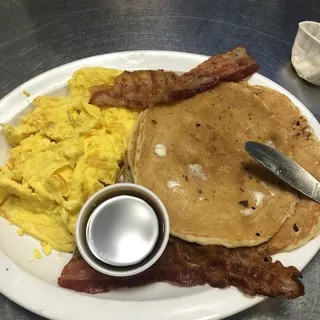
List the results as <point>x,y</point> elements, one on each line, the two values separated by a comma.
<point>297,231</point>
<point>283,108</point>
<point>214,192</point>
<point>301,227</point>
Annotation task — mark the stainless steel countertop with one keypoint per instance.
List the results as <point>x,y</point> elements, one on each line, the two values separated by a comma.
<point>37,35</point>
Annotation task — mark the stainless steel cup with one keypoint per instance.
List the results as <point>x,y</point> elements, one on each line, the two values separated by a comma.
<point>122,229</point>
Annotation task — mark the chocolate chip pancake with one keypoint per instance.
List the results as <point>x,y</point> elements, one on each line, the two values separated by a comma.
<point>301,227</point>
<point>214,192</point>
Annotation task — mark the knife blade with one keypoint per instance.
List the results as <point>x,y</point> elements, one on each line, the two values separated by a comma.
<point>285,168</point>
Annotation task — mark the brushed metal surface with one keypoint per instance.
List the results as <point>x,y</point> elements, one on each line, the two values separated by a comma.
<point>285,168</point>
<point>37,35</point>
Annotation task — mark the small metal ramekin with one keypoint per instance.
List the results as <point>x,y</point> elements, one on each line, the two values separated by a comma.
<point>115,192</point>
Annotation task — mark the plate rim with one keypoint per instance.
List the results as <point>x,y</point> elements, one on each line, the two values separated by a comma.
<point>22,279</point>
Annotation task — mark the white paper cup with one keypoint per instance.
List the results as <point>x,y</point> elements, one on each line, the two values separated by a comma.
<point>306,51</point>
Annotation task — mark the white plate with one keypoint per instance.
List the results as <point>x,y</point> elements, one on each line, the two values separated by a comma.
<point>33,284</point>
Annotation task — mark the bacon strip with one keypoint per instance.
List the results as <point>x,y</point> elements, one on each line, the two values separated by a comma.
<point>188,264</point>
<point>142,89</point>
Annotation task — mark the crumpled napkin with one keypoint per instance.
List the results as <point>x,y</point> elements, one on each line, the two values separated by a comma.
<point>306,51</point>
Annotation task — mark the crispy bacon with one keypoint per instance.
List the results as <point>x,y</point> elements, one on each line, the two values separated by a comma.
<point>141,89</point>
<point>188,264</point>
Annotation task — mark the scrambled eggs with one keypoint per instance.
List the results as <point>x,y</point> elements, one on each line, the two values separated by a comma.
<point>63,151</point>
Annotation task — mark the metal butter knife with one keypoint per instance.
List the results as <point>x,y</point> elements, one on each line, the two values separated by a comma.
<point>285,168</point>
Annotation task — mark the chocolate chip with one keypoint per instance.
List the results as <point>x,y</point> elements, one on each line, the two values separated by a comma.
<point>186,178</point>
<point>250,177</point>
<point>266,259</point>
<point>298,123</point>
<point>244,203</point>
<point>154,121</point>
<point>298,134</point>
<point>295,228</point>
<point>200,191</point>
<point>198,125</point>
<point>253,208</point>
<point>258,234</point>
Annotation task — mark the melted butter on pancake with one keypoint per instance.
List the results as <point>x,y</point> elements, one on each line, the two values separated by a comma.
<point>160,150</point>
<point>197,171</point>
<point>258,197</point>
<point>173,184</point>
